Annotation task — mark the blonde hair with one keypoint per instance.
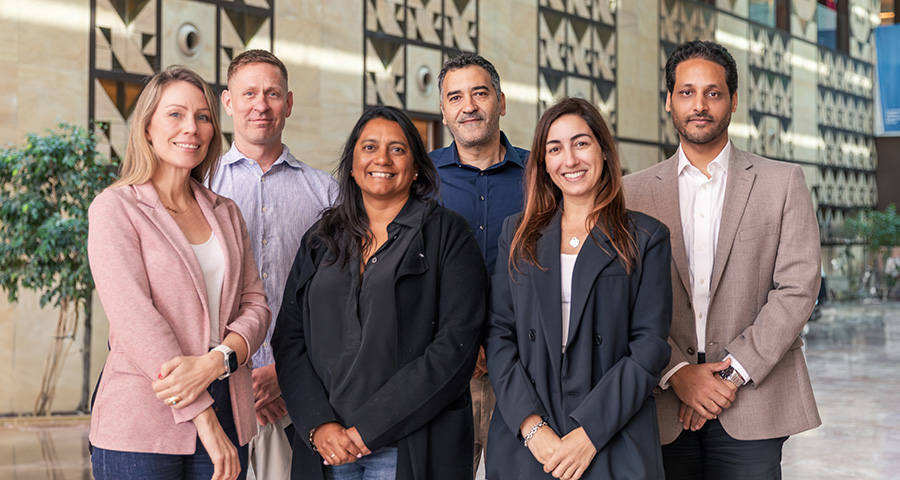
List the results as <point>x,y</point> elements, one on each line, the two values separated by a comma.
<point>140,160</point>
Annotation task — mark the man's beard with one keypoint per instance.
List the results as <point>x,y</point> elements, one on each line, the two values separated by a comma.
<point>701,136</point>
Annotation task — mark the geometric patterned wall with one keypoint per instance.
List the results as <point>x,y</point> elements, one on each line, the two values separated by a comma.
<point>846,151</point>
<point>406,43</point>
<point>133,39</point>
<point>679,21</point>
<point>771,104</point>
<point>577,54</point>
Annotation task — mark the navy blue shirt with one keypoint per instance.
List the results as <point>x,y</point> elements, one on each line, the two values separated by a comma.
<point>484,197</point>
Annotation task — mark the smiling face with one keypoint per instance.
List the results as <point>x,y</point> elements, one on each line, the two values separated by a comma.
<point>383,166</point>
<point>700,105</point>
<point>471,108</point>
<point>181,128</point>
<point>574,159</point>
<point>259,101</point>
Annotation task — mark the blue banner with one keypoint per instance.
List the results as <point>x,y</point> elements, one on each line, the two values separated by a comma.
<point>887,105</point>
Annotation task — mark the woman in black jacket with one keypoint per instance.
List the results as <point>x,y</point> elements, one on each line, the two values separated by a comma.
<point>382,318</point>
<point>580,309</point>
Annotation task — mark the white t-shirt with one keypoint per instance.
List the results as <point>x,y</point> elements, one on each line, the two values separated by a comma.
<point>212,263</point>
<point>567,267</point>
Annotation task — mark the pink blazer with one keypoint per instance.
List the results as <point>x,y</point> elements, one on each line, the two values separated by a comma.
<point>153,292</point>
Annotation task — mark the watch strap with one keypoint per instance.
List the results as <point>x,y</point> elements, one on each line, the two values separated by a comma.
<point>228,355</point>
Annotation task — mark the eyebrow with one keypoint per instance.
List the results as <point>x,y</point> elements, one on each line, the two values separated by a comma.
<point>457,92</point>
<point>185,108</point>
<point>578,135</point>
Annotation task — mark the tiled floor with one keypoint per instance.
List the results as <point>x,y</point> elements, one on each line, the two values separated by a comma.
<point>854,360</point>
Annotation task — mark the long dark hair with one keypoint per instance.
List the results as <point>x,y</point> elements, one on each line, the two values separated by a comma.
<point>349,213</point>
<point>543,198</point>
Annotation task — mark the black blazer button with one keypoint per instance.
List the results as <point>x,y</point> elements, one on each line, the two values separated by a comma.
<point>691,350</point>
<point>532,334</point>
<point>598,339</point>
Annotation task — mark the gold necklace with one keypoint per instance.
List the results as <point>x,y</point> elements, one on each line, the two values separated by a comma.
<point>170,208</point>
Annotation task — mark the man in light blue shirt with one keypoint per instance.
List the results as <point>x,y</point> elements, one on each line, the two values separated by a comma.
<point>280,198</point>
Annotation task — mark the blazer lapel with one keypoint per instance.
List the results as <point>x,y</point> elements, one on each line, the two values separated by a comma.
<point>219,218</point>
<point>737,193</point>
<point>669,210</point>
<point>590,262</point>
<point>547,285</point>
<point>156,212</point>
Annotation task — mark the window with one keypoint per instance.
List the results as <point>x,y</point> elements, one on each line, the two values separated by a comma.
<point>430,130</point>
<point>772,13</point>
<point>834,26</point>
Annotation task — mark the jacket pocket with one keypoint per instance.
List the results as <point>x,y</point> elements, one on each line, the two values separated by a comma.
<point>756,232</point>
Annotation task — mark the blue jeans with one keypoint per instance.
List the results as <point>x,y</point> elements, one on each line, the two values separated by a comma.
<point>379,465</point>
<point>113,464</point>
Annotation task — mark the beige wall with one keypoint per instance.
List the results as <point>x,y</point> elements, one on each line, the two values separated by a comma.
<point>44,49</point>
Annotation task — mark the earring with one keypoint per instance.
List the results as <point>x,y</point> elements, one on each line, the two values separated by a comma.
<point>416,176</point>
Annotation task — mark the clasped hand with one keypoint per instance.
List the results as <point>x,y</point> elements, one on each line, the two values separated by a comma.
<point>566,457</point>
<point>702,393</point>
<point>338,445</point>
<point>187,377</point>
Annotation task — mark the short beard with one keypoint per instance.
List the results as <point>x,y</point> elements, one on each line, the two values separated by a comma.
<point>702,137</point>
<point>492,125</point>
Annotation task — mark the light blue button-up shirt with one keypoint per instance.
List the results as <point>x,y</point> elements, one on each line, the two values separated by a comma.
<point>278,207</point>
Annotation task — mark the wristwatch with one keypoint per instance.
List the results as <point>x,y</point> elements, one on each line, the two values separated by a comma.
<point>732,376</point>
<point>231,363</point>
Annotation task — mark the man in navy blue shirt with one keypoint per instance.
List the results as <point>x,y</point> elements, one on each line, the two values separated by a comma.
<point>481,178</point>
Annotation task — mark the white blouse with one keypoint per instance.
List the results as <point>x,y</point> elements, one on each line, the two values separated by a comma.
<point>212,263</point>
<point>567,267</point>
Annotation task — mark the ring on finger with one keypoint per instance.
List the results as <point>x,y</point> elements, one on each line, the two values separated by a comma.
<point>173,400</point>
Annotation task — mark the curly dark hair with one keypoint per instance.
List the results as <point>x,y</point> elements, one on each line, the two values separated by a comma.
<point>705,50</point>
<point>349,214</point>
<point>466,60</point>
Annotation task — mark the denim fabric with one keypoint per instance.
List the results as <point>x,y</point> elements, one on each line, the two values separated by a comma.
<point>379,465</point>
<point>116,465</point>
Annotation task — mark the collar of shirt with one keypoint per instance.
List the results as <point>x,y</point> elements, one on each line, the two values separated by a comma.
<point>411,213</point>
<point>718,163</point>
<point>234,155</point>
<point>511,155</point>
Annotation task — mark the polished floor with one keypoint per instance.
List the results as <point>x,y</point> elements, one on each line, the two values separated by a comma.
<point>853,352</point>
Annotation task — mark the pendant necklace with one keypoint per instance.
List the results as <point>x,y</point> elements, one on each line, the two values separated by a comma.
<point>574,242</point>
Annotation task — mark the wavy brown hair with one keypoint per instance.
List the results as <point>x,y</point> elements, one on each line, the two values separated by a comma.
<point>543,199</point>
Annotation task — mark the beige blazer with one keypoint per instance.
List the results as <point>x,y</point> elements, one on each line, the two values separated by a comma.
<point>152,289</point>
<point>765,280</point>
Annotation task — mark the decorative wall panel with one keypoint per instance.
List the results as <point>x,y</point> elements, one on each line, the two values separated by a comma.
<point>770,91</point>
<point>406,43</point>
<point>133,39</point>
<point>846,151</point>
<point>679,21</point>
<point>577,53</point>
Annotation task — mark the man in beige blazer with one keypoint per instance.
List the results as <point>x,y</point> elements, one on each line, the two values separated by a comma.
<point>745,255</point>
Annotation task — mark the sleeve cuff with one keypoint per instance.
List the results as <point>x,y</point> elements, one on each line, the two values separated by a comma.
<point>664,381</point>
<point>740,368</point>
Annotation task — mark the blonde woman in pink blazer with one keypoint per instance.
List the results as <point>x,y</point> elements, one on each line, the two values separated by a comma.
<point>175,273</point>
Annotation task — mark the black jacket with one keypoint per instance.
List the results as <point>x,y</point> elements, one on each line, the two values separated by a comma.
<point>441,294</point>
<point>614,355</point>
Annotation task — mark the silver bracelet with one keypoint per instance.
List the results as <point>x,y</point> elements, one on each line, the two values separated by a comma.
<point>534,430</point>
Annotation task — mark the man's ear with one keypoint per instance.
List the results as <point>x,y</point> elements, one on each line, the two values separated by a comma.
<point>502,104</point>
<point>734,102</point>
<point>226,101</point>
<point>669,102</point>
<point>290,104</point>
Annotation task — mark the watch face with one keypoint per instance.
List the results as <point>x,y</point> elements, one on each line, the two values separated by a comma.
<point>232,362</point>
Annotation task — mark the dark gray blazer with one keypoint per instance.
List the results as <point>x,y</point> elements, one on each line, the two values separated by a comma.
<point>614,355</point>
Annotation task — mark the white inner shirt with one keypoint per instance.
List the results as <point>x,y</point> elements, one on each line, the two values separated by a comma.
<point>567,267</point>
<point>212,263</point>
<point>701,200</point>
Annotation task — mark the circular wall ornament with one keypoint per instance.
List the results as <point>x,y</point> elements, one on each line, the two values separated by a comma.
<point>190,42</point>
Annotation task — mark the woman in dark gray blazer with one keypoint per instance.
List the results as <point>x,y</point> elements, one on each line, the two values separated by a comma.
<point>383,314</point>
<point>580,312</point>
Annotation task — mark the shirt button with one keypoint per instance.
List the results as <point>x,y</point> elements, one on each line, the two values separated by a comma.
<point>263,179</point>
<point>265,242</point>
<point>701,246</point>
<point>265,209</point>
<point>265,275</point>
<point>374,259</point>
<point>481,227</point>
<point>265,344</point>
<point>702,216</point>
<point>480,174</point>
<point>701,315</point>
<point>704,187</point>
<point>701,280</point>
<point>481,198</point>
